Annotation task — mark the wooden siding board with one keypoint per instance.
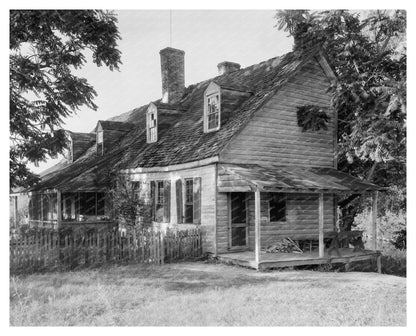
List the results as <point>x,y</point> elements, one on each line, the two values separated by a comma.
<point>208,190</point>
<point>272,136</point>
<point>301,220</point>
<point>300,224</point>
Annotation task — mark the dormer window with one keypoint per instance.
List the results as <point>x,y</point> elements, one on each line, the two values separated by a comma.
<point>151,120</point>
<point>212,108</point>
<point>213,115</point>
<point>100,142</point>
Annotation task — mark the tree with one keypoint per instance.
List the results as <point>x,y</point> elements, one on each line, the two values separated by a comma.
<point>368,56</point>
<point>45,47</point>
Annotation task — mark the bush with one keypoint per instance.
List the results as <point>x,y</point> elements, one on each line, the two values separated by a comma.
<point>394,262</point>
<point>388,226</point>
<point>399,240</point>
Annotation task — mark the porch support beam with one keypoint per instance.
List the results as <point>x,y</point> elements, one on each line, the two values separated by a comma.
<point>321,225</point>
<point>15,211</point>
<point>41,209</point>
<point>257,231</point>
<point>374,219</point>
<point>58,208</point>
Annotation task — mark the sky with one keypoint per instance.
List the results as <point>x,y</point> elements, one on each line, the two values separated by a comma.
<point>208,37</point>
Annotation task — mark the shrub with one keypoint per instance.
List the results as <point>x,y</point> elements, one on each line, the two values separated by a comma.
<point>393,262</point>
<point>399,240</point>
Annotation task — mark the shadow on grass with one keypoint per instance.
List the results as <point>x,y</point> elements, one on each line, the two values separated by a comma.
<point>200,276</point>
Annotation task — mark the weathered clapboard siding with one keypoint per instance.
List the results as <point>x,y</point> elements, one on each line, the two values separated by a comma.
<point>208,189</point>
<point>222,222</point>
<point>301,218</point>
<point>273,136</point>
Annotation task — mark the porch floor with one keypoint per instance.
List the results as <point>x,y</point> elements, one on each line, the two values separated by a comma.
<point>278,260</point>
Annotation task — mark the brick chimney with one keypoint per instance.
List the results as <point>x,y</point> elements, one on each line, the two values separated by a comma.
<point>227,67</point>
<point>173,74</point>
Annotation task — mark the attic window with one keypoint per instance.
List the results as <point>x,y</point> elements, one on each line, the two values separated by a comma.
<point>212,108</point>
<point>100,142</point>
<point>152,124</point>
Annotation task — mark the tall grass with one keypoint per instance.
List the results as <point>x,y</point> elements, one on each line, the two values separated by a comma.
<point>201,294</point>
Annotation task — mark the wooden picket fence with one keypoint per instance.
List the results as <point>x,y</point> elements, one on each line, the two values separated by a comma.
<point>42,251</point>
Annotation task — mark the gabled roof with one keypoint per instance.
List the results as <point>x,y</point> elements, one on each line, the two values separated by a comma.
<point>184,141</point>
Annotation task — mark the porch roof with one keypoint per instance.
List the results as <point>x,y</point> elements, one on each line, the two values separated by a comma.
<point>274,178</point>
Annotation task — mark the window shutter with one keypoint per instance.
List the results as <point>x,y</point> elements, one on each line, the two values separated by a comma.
<point>197,200</point>
<point>179,204</point>
<point>166,205</point>
<point>152,199</point>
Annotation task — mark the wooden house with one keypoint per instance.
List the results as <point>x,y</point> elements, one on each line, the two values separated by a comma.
<point>226,155</point>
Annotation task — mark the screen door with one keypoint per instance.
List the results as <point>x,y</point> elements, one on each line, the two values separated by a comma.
<point>238,220</point>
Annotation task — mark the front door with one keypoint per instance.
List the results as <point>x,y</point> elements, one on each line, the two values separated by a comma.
<point>238,220</point>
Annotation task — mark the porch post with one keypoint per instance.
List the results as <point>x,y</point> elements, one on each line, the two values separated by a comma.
<point>58,208</point>
<point>15,211</point>
<point>321,225</point>
<point>41,209</point>
<point>257,225</point>
<point>374,219</point>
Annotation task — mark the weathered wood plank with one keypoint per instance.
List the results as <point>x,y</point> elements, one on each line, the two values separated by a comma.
<point>268,136</point>
<point>257,226</point>
<point>321,225</point>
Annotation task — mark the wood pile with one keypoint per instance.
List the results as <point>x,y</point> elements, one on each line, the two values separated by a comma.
<point>285,245</point>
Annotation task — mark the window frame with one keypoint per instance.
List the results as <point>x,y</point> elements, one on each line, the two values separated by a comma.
<point>186,202</point>
<point>159,201</point>
<point>152,124</point>
<point>272,197</point>
<point>212,90</point>
<point>100,141</point>
<point>211,97</point>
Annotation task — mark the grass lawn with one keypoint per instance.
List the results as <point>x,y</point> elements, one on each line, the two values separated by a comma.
<point>202,294</point>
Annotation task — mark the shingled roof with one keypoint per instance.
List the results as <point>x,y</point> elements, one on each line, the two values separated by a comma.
<point>115,125</point>
<point>274,178</point>
<point>184,141</point>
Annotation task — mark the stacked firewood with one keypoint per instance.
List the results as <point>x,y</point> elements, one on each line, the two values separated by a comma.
<point>285,245</point>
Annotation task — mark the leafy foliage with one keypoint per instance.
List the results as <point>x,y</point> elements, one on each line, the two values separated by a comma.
<point>311,117</point>
<point>45,47</point>
<point>399,240</point>
<point>368,55</point>
<point>128,202</point>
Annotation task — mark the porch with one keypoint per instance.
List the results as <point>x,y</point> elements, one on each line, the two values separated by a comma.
<point>258,205</point>
<point>280,260</point>
<point>54,209</point>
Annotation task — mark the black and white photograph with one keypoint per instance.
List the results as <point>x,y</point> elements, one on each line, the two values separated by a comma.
<point>207,167</point>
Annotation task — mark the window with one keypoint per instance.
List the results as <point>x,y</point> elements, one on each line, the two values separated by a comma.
<point>213,114</point>
<point>189,201</point>
<point>277,207</point>
<point>212,108</point>
<point>87,203</point>
<point>160,191</point>
<point>100,204</point>
<point>152,128</point>
<point>152,123</point>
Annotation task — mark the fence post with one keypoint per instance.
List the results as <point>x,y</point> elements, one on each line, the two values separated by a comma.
<point>162,243</point>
